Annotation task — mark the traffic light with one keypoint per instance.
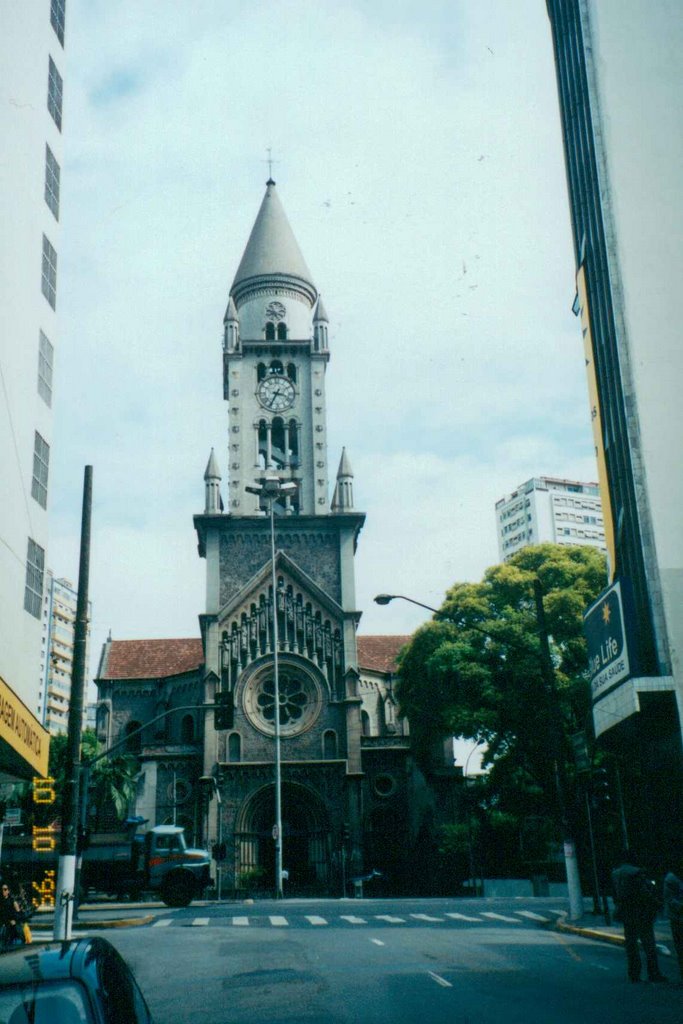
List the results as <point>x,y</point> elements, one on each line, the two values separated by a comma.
<point>224,712</point>
<point>602,796</point>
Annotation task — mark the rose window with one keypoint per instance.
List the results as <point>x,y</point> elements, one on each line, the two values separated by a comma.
<point>300,700</point>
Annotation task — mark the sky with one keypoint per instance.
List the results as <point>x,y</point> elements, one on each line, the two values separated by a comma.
<point>418,156</point>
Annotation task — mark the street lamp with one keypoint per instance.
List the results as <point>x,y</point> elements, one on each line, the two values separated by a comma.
<point>550,684</point>
<point>271,488</point>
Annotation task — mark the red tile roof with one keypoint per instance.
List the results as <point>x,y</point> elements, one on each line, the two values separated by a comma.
<point>378,653</point>
<point>152,659</point>
<point>156,659</point>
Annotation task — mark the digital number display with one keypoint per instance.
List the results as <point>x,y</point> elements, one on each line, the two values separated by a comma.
<point>44,840</point>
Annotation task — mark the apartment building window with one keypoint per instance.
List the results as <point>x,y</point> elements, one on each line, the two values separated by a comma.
<point>45,362</point>
<point>52,174</point>
<point>54,93</point>
<point>35,568</point>
<point>58,18</point>
<point>41,465</point>
<point>49,280</point>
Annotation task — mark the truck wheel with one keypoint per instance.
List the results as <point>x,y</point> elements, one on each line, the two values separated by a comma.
<point>178,890</point>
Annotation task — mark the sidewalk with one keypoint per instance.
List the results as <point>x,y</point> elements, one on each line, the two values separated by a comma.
<point>614,933</point>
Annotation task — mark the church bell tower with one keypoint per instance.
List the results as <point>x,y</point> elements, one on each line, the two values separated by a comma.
<point>275,357</point>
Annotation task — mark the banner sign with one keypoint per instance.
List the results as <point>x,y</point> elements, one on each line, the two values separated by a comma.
<point>605,632</point>
<point>22,733</point>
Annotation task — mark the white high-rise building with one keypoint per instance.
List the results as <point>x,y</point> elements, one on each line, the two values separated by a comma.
<point>31,83</point>
<point>547,509</point>
<point>57,660</point>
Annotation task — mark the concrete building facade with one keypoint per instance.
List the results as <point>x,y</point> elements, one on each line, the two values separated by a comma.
<point>549,510</point>
<point>59,622</point>
<point>619,85</point>
<point>31,122</point>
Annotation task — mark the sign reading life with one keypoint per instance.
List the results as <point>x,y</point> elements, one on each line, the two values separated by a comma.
<point>608,657</point>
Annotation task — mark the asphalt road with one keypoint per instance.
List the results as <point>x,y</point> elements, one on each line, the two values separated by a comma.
<point>375,962</point>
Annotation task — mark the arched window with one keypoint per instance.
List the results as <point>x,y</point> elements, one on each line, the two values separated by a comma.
<point>270,331</point>
<point>260,371</point>
<point>293,444</point>
<point>282,332</point>
<point>276,367</point>
<point>187,729</point>
<point>133,743</point>
<point>329,745</point>
<point>291,372</point>
<point>364,723</point>
<point>234,748</point>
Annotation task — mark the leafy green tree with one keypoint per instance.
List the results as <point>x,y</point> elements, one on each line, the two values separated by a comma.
<point>475,671</point>
<point>113,779</point>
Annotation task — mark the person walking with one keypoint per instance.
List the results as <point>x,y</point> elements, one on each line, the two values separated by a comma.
<point>637,903</point>
<point>9,918</point>
<point>673,905</point>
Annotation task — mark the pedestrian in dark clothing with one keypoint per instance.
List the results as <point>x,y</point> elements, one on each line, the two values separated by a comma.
<point>636,903</point>
<point>673,904</point>
<point>9,917</point>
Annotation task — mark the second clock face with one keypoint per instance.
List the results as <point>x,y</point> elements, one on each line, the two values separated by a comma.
<point>276,393</point>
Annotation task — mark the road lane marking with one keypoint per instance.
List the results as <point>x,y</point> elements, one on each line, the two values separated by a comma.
<point>425,917</point>
<point>389,919</point>
<point>439,980</point>
<point>532,917</point>
<point>563,942</point>
<point>279,922</point>
<point>162,922</point>
<point>241,921</point>
<point>500,917</point>
<point>558,913</point>
<point>464,917</point>
<point>353,920</point>
<point>378,942</point>
<point>313,919</point>
<point>200,922</point>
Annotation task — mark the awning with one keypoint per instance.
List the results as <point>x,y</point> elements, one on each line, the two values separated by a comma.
<point>24,743</point>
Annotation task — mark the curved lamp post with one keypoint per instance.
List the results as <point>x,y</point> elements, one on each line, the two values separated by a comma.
<point>271,488</point>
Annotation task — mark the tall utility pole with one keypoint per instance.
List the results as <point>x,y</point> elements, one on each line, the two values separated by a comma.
<point>66,874</point>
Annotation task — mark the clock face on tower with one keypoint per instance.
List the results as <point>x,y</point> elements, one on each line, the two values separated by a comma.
<point>276,393</point>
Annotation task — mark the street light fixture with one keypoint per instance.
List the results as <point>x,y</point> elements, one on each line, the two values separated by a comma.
<point>550,683</point>
<point>271,488</point>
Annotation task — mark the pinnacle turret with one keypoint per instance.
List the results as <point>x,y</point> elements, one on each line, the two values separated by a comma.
<point>212,483</point>
<point>342,499</point>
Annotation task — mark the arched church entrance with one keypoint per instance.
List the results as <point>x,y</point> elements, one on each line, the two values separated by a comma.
<point>306,841</point>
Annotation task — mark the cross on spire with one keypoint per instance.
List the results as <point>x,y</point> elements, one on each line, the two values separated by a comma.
<point>270,163</point>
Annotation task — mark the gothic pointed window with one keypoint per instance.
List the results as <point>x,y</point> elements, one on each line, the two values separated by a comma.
<point>260,371</point>
<point>270,332</point>
<point>291,372</point>
<point>329,745</point>
<point>282,332</point>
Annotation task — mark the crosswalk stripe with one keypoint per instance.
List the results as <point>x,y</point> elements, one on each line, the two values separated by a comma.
<point>499,917</point>
<point>439,980</point>
<point>353,920</point>
<point>279,922</point>
<point>390,919</point>
<point>162,922</point>
<point>313,919</point>
<point>558,913</point>
<point>463,917</point>
<point>241,921</point>
<point>200,922</point>
<point>425,917</point>
<point>532,917</point>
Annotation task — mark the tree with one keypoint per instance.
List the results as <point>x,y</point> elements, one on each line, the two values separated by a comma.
<point>113,779</point>
<point>475,670</point>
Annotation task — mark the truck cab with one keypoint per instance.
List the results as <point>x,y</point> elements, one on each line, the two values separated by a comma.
<point>171,868</point>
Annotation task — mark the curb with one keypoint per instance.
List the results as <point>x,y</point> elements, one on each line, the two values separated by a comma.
<point>590,933</point>
<point>130,922</point>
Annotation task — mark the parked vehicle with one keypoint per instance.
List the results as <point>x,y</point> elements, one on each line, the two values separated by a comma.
<point>120,864</point>
<point>79,982</point>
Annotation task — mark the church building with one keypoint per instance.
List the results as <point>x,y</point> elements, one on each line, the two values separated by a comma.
<point>351,797</point>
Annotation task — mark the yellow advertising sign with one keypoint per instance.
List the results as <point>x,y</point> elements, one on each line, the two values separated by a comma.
<point>23,734</point>
<point>596,419</point>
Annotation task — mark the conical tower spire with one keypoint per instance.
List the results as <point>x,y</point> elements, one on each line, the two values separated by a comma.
<point>212,483</point>
<point>342,499</point>
<point>272,255</point>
